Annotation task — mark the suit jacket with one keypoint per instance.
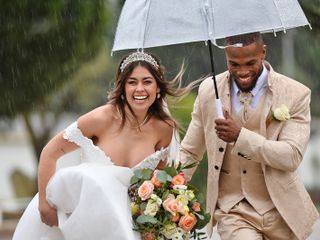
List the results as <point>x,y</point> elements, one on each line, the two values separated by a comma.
<point>279,153</point>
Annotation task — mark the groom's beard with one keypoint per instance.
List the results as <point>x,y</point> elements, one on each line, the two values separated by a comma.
<point>253,83</point>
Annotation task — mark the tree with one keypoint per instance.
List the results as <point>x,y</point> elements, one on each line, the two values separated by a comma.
<point>43,43</point>
<point>312,11</point>
<point>308,46</point>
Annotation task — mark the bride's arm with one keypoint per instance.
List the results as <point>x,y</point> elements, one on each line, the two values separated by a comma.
<point>56,148</point>
<point>90,125</point>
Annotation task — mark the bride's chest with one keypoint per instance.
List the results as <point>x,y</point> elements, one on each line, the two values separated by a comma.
<point>127,149</point>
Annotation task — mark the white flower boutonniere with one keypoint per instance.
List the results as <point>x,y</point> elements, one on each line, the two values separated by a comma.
<point>281,113</point>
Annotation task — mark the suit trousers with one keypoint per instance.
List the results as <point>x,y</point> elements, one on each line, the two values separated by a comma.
<point>244,222</point>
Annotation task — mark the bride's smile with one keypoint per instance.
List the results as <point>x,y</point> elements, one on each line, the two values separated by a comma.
<point>141,90</point>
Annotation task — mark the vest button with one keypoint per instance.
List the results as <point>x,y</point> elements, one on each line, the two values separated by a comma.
<point>221,149</point>
<point>244,171</point>
<point>216,167</point>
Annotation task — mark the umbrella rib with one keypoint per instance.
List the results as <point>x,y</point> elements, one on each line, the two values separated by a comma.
<point>279,14</point>
<point>145,26</point>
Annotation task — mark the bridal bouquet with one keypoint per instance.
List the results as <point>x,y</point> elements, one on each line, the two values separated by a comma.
<point>164,206</point>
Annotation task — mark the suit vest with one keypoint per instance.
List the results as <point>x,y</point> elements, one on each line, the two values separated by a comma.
<point>241,178</point>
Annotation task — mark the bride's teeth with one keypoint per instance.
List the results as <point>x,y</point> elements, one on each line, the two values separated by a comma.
<point>140,97</point>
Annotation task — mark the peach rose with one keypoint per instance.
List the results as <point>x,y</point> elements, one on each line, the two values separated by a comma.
<point>155,181</point>
<point>145,190</point>
<point>149,236</point>
<point>179,179</point>
<point>183,209</point>
<point>187,222</point>
<point>196,207</point>
<point>171,205</point>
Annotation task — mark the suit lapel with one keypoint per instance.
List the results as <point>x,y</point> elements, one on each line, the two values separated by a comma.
<point>266,115</point>
<point>225,93</point>
<point>267,128</point>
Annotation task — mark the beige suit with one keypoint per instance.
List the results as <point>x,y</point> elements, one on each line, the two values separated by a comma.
<point>279,153</point>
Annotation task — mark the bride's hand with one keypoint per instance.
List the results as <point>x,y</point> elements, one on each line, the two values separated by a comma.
<point>48,214</point>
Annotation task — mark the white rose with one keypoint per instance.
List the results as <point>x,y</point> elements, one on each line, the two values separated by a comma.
<point>156,199</point>
<point>169,230</point>
<point>281,113</point>
<point>190,194</point>
<point>177,236</point>
<point>183,199</point>
<point>151,208</point>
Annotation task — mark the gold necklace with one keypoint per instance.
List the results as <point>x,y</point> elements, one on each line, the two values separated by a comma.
<point>135,127</point>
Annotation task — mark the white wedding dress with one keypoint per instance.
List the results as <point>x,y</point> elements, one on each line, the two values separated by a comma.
<point>91,198</point>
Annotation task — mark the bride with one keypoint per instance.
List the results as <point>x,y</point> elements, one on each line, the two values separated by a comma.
<point>133,130</point>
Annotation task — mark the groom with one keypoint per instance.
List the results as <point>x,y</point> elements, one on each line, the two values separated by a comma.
<point>254,191</point>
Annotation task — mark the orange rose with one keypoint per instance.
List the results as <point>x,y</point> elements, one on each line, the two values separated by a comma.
<point>145,190</point>
<point>155,181</point>
<point>187,222</point>
<point>179,179</point>
<point>149,236</point>
<point>196,207</point>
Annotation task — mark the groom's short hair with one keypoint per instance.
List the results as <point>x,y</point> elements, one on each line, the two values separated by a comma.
<point>244,39</point>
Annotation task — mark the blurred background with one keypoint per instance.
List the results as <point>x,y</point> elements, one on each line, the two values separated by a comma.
<point>56,64</point>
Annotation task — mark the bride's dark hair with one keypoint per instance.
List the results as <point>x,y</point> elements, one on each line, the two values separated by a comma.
<point>158,109</point>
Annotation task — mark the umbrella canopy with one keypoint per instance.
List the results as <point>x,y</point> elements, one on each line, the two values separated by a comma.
<point>152,23</point>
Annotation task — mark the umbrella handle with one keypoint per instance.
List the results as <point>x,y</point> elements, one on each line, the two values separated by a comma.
<point>219,108</point>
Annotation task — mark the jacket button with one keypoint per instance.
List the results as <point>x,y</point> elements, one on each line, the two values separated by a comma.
<point>221,149</point>
<point>244,171</point>
<point>216,167</point>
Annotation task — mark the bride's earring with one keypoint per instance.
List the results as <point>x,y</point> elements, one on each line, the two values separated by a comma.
<point>122,97</point>
<point>158,95</point>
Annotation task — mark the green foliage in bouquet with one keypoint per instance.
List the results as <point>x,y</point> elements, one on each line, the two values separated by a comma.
<point>164,206</point>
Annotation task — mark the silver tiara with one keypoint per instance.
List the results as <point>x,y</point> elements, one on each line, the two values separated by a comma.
<point>139,56</point>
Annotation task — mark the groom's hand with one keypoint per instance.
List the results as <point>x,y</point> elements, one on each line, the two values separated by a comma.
<point>227,129</point>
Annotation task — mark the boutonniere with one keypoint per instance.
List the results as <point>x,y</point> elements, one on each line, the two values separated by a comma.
<point>281,113</point>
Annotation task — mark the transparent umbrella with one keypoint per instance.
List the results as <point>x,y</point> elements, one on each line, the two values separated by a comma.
<point>153,23</point>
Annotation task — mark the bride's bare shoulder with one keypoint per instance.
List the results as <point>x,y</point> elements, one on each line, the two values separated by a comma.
<point>164,130</point>
<point>96,120</point>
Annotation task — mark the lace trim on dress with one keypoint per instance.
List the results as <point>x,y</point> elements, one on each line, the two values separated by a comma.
<point>153,160</point>
<point>73,134</point>
<point>92,153</point>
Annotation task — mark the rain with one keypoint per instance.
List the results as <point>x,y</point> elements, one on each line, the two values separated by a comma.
<point>56,64</point>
